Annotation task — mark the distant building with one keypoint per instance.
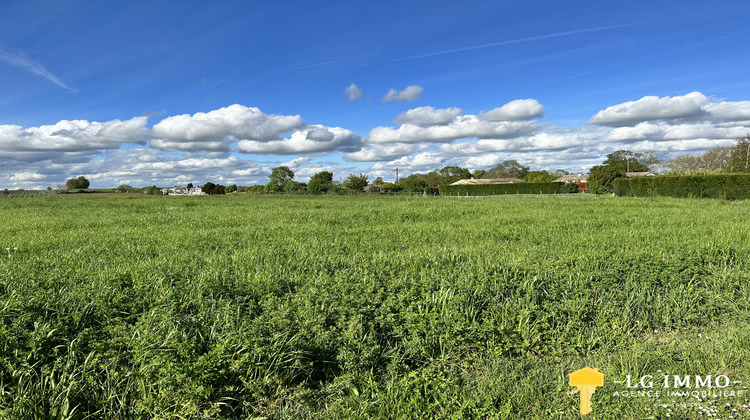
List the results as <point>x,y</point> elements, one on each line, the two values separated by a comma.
<point>581,180</point>
<point>634,174</point>
<point>177,190</point>
<point>486,181</point>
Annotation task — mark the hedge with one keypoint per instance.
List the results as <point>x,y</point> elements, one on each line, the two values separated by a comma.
<point>726,186</point>
<point>500,189</point>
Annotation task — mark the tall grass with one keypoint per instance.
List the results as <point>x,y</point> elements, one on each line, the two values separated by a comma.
<point>337,307</point>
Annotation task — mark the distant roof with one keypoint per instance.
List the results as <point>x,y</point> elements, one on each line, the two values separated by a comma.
<point>633,174</point>
<point>573,178</point>
<point>488,181</point>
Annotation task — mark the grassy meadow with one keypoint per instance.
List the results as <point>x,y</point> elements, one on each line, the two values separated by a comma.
<point>243,306</point>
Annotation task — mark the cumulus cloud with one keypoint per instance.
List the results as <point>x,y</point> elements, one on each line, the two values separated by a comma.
<point>73,136</point>
<point>411,93</point>
<point>27,176</point>
<point>420,161</point>
<point>465,126</point>
<point>653,108</point>
<point>666,132</point>
<point>427,115</point>
<point>353,92</point>
<point>520,109</point>
<point>537,142</point>
<point>428,124</point>
<point>218,129</point>
<point>296,162</point>
<point>729,111</point>
<point>313,139</point>
<point>384,151</point>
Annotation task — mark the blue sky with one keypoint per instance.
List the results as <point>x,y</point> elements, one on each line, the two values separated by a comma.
<point>167,92</point>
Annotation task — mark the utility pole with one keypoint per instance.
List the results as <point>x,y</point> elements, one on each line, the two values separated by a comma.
<point>396,175</point>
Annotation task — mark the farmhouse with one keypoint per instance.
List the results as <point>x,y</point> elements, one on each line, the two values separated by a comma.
<point>177,190</point>
<point>488,181</point>
<point>635,174</point>
<point>581,180</point>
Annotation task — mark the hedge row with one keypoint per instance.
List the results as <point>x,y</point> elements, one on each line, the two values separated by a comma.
<point>499,189</point>
<point>728,186</point>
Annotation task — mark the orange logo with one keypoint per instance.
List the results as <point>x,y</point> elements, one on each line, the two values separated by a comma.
<point>586,380</point>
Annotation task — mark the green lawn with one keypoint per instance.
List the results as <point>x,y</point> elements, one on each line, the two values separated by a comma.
<point>244,306</point>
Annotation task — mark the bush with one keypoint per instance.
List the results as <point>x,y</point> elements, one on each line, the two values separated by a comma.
<point>499,189</point>
<point>257,189</point>
<point>152,190</point>
<point>294,186</point>
<point>726,186</point>
<point>213,189</point>
<point>390,187</point>
<point>273,187</point>
<point>355,182</point>
<point>603,177</point>
<point>79,183</point>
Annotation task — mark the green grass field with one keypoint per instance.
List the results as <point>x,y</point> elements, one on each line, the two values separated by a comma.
<point>129,306</point>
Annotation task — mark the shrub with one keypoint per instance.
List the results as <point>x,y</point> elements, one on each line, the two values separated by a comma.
<point>79,183</point>
<point>499,189</point>
<point>726,186</point>
<point>213,189</point>
<point>602,178</point>
<point>152,190</point>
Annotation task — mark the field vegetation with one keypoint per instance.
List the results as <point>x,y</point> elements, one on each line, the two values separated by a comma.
<point>248,306</point>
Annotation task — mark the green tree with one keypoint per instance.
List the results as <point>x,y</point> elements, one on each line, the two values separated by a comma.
<point>451,174</point>
<point>413,183</point>
<point>508,169</point>
<point>628,161</point>
<point>280,175</point>
<point>355,182</point>
<point>294,186</point>
<point>711,161</point>
<point>230,188</point>
<point>739,157</point>
<point>539,176</point>
<point>602,178</point>
<point>152,190</point>
<point>479,174</point>
<point>79,183</point>
<point>320,182</point>
<point>124,188</point>
<point>213,189</point>
<point>273,187</point>
<point>390,187</point>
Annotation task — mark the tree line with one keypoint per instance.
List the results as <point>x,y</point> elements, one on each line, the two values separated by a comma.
<point>719,160</point>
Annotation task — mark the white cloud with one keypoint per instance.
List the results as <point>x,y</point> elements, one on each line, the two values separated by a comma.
<point>411,93</point>
<point>73,136</point>
<point>729,111</point>
<point>427,115</point>
<point>421,161</point>
<point>652,108</point>
<point>665,132</point>
<point>537,142</point>
<point>465,126</point>
<point>520,109</point>
<point>353,92</point>
<point>27,176</point>
<point>218,129</point>
<point>313,139</point>
<point>296,162</point>
<point>384,151</point>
